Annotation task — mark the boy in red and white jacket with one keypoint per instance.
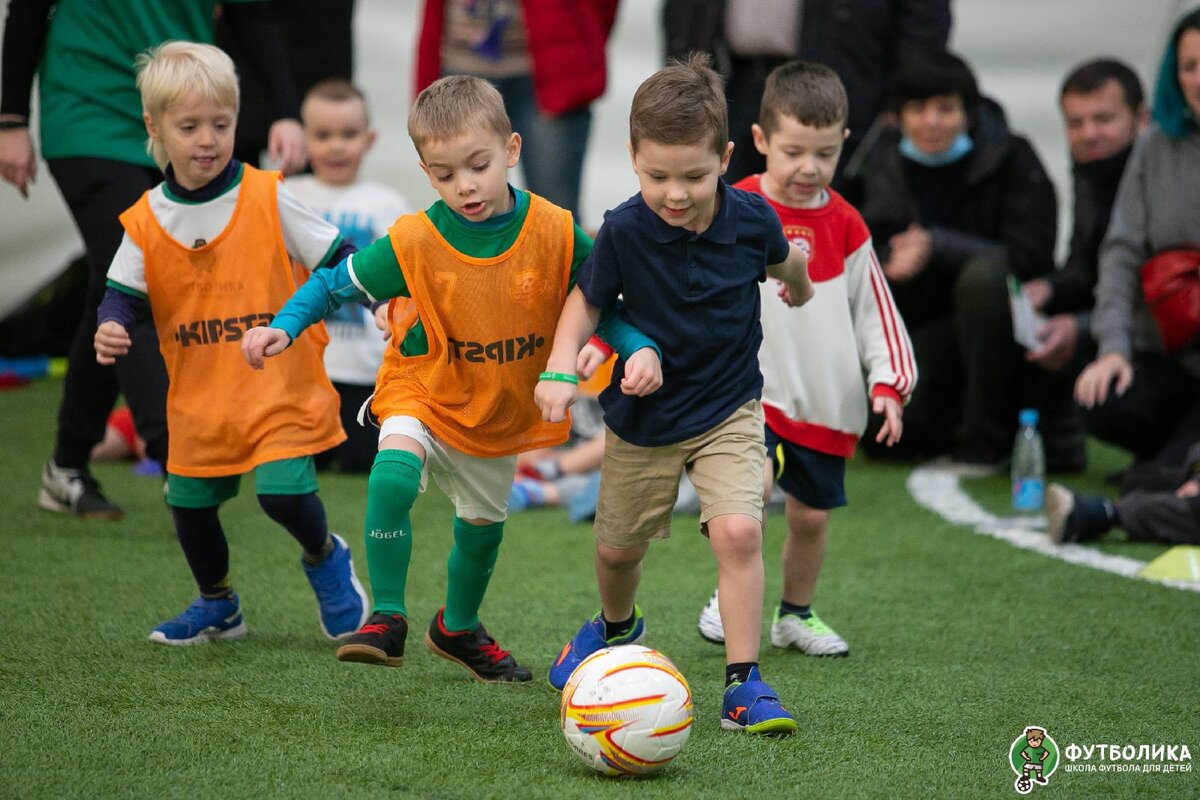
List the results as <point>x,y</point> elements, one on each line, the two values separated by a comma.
<point>822,362</point>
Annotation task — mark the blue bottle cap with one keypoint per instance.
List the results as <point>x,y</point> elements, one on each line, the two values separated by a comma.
<point>1028,416</point>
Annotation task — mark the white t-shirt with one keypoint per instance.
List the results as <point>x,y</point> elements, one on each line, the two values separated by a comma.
<point>362,212</point>
<point>306,235</point>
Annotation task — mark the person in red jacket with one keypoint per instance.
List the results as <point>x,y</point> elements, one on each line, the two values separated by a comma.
<point>547,59</point>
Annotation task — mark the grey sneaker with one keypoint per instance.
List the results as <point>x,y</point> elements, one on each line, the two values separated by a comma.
<point>709,624</point>
<point>75,491</point>
<point>810,636</point>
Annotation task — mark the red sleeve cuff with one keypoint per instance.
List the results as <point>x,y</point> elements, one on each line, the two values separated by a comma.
<point>881,390</point>
<point>601,345</point>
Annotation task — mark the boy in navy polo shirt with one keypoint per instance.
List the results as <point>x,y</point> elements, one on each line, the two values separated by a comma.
<point>686,254</point>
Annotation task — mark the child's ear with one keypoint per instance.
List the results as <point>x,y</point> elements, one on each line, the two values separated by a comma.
<point>632,155</point>
<point>513,149</point>
<point>760,138</point>
<point>151,128</point>
<point>725,158</point>
<point>371,134</point>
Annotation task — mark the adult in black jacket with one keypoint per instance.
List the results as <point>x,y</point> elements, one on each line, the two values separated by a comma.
<point>864,41</point>
<point>1104,109</point>
<point>956,203</point>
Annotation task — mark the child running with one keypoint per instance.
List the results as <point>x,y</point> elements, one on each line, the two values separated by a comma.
<point>488,268</point>
<point>338,133</point>
<point>209,252</point>
<point>687,254</point>
<point>814,360</point>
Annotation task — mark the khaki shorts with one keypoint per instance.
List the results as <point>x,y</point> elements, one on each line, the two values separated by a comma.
<point>638,485</point>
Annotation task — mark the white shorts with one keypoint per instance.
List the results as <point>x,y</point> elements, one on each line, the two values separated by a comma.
<point>478,487</point>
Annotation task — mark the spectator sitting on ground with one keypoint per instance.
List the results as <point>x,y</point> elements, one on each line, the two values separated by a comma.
<point>955,203</point>
<point>1138,396</point>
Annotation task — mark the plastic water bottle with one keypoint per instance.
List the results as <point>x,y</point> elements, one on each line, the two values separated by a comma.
<point>1028,466</point>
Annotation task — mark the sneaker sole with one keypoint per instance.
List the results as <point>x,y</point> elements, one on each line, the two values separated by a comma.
<point>772,727</point>
<point>798,647</point>
<point>365,654</point>
<point>437,651</point>
<point>47,501</point>
<point>709,637</point>
<point>236,632</point>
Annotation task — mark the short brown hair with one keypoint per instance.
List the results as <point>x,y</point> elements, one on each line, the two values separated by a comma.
<point>682,103</point>
<point>453,105</point>
<point>810,93</point>
<point>334,90</point>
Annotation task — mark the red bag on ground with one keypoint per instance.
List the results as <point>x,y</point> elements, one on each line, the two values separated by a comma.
<point>1171,286</point>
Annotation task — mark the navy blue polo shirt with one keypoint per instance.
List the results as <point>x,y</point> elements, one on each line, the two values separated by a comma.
<point>696,295</point>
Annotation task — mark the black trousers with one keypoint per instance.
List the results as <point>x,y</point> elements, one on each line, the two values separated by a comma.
<point>96,191</point>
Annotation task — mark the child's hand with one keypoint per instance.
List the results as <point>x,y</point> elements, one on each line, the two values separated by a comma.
<point>381,321</point>
<point>643,373</point>
<point>1189,488</point>
<point>111,340</point>
<point>796,296</point>
<point>553,398</point>
<point>262,342</point>
<point>590,359</point>
<point>892,411</point>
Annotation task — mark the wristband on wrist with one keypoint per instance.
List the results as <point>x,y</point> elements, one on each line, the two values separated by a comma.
<point>562,377</point>
<point>13,124</point>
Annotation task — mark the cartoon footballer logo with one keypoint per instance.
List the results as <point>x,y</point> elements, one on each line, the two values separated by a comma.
<point>1033,756</point>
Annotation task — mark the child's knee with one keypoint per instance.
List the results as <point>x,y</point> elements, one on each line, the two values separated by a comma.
<point>620,557</point>
<point>736,534</point>
<point>395,478</point>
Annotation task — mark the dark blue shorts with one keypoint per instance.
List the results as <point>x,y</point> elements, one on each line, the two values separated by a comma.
<point>816,479</point>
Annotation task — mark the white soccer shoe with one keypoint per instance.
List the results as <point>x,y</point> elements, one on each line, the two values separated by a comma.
<point>709,624</point>
<point>810,636</point>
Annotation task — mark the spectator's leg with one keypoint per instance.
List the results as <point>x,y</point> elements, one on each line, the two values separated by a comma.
<point>931,416</point>
<point>991,360</point>
<point>553,148</point>
<point>744,91</point>
<point>1144,418</point>
<point>1160,517</point>
<point>96,192</point>
<point>357,453</point>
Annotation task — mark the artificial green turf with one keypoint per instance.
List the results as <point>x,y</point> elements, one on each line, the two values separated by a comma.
<point>958,642</point>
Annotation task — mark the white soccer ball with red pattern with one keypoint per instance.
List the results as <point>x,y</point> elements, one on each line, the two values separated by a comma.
<point>626,710</point>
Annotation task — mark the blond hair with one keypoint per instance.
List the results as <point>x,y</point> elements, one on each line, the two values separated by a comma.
<point>682,103</point>
<point>454,105</point>
<point>170,72</point>
<point>810,93</point>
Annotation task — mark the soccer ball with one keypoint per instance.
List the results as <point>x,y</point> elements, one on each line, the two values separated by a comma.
<point>626,710</point>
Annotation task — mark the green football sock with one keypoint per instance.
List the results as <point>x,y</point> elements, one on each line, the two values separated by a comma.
<point>470,568</point>
<point>391,489</point>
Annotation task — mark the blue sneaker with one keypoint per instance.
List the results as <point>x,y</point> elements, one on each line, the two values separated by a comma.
<point>752,706</point>
<point>590,639</point>
<point>342,603</point>
<point>202,621</point>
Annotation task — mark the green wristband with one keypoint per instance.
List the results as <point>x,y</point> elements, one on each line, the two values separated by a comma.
<point>564,377</point>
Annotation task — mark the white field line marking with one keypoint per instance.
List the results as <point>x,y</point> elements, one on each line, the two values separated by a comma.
<point>938,490</point>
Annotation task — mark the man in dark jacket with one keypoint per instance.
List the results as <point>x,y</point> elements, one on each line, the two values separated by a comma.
<point>956,203</point>
<point>1104,109</point>
<point>864,41</point>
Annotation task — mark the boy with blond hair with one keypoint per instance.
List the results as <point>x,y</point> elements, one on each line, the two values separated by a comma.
<point>821,363</point>
<point>687,254</point>
<point>208,253</point>
<point>338,135</point>
<point>487,268</point>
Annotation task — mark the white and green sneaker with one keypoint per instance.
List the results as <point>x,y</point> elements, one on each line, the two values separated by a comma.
<point>709,623</point>
<point>810,636</point>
